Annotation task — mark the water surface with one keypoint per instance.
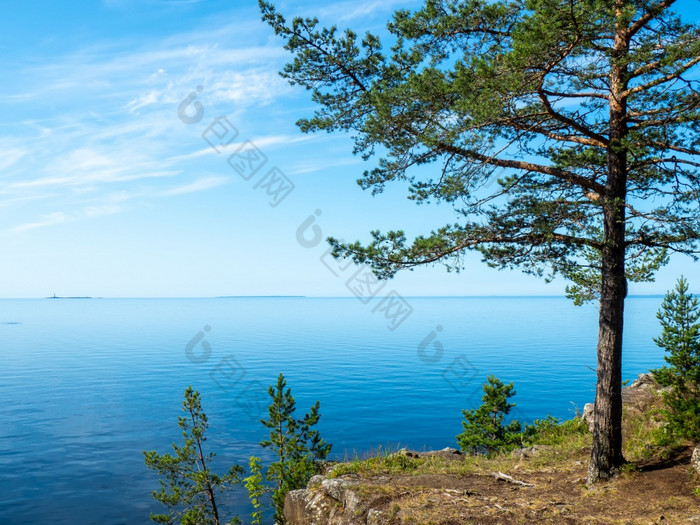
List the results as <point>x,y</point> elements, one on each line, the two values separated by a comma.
<point>89,384</point>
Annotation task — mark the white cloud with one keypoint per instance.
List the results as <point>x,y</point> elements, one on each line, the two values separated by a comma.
<point>57,218</point>
<point>198,185</point>
<point>350,10</point>
<point>102,122</point>
<point>10,156</point>
<point>51,219</point>
<point>317,165</point>
<point>99,211</point>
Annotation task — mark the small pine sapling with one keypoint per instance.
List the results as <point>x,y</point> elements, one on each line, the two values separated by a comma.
<point>298,447</point>
<point>188,487</point>
<point>484,430</point>
<point>680,338</point>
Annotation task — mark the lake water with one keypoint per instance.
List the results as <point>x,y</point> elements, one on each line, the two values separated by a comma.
<point>87,385</point>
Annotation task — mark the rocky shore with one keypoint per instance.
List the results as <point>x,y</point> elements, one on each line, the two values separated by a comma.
<point>539,484</point>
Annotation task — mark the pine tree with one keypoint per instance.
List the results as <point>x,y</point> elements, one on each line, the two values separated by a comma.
<point>484,428</point>
<point>297,447</point>
<point>565,134</point>
<point>680,338</point>
<point>189,488</point>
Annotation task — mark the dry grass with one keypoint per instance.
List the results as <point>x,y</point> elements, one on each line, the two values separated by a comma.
<point>657,487</point>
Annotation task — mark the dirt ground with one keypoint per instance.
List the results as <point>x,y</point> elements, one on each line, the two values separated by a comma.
<point>659,492</point>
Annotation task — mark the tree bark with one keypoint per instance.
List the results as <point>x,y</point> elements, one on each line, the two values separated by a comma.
<point>606,454</point>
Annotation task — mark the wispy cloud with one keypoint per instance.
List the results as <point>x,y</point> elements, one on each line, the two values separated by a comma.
<point>101,120</point>
<point>351,10</point>
<point>202,184</point>
<point>88,167</point>
<point>316,165</point>
<point>52,219</point>
<point>11,156</point>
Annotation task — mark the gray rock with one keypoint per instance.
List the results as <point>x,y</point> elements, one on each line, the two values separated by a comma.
<point>315,481</point>
<point>376,517</point>
<point>336,488</point>
<point>695,459</point>
<point>295,506</point>
<point>528,452</point>
<point>645,381</point>
<point>352,503</point>
<point>637,397</point>
<point>309,507</point>
<point>642,394</point>
<point>587,415</point>
<point>327,502</point>
<point>448,453</point>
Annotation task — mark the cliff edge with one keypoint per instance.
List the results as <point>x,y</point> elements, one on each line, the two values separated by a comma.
<point>539,484</point>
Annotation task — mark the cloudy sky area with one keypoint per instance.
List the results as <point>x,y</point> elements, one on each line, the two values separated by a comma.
<point>105,191</point>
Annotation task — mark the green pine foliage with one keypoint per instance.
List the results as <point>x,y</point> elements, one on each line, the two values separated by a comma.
<point>188,487</point>
<point>297,446</point>
<point>484,429</point>
<point>473,87</point>
<point>680,338</point>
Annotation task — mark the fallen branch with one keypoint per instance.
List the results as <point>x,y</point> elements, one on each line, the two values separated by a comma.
<point>509,479</point>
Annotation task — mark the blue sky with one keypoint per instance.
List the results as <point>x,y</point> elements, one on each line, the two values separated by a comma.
<point>106,192</point>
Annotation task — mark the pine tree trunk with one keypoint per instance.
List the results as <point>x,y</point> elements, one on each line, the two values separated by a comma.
<point>606,455</point>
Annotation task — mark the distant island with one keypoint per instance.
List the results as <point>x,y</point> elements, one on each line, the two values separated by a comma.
<point>261,297</point>
<point>58,297</point>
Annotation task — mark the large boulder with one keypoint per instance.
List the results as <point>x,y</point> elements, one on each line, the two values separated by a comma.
<point>695,459</point>
<point>642,394</point>
<point>326,501</point>
<point>637,398</point>
<point>307,507</point>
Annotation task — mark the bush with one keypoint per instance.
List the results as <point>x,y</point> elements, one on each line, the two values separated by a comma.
<point>550,431</point>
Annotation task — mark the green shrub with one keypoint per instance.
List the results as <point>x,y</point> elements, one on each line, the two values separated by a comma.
<point>256,489</point>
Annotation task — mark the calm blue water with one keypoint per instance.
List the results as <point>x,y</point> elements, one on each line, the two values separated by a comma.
<point>89,384</point>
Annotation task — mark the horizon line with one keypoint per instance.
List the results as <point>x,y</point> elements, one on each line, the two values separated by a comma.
<point>277,296</point>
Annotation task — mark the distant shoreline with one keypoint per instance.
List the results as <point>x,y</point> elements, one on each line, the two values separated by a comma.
<point>59,297</point>
<point>261,297</point>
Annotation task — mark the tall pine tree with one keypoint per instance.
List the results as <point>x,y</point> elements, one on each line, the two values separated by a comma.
<point>586,111</point>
